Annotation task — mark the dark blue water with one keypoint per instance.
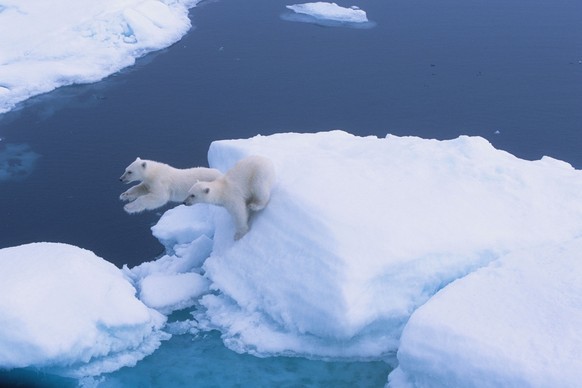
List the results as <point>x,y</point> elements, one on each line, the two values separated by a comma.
<point>507,70</point>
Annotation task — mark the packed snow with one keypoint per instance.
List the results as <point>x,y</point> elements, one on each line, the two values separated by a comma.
<point>452,260</point>
<point>66,310</point>
<point>327,14</point>
<point>515,324</point>
<point>62,42</point>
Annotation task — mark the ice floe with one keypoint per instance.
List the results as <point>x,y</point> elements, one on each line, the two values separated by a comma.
<point>328,14</point>
<point>50,44</point>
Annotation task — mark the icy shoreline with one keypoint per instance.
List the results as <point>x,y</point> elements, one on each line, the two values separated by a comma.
<point>407,250</point>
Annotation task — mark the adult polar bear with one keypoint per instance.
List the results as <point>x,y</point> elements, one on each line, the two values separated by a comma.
<point>160,183</point>
<point>245,187</point>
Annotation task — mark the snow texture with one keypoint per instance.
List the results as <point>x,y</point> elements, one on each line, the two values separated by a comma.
<point>62,42</point>
<point>66,310</point>
<point>513,324</point>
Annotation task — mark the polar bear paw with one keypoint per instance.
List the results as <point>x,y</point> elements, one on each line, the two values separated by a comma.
<point>132,208</point>
<point>127,196</point>
<point>240,233</point>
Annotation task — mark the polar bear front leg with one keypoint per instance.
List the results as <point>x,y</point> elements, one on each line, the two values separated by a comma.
<point>240,214</point>
<point>145,202</point>
<point>134,192</point>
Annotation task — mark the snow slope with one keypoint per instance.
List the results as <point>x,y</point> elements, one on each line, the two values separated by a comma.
<point>62,42</point>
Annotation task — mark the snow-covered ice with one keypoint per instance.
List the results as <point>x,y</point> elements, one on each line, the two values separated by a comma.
<point>327,14</point>
<point>515,323</point>
<point>66,310</point>
<point>453,260</point>
<point>62,42</point>
<point>362,231</point>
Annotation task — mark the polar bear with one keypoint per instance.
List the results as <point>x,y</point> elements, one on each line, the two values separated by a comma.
<point>160,183</point>
<point>245,187</point>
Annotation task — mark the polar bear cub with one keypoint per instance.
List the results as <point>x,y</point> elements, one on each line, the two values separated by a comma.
<point>160,184</point>
<point>245,187</point>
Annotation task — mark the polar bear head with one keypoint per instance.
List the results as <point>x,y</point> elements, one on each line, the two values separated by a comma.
<point>135,171</point>
<point>199,193</point>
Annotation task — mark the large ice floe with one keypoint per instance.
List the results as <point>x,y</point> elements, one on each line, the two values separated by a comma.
<point>61,42</point>
<point>454,261</point>
<point>328,14</point>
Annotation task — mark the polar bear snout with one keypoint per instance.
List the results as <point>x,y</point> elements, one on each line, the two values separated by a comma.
<point>126,177</point>
<point>189,201</point>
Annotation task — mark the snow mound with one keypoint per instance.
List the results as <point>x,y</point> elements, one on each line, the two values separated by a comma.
<point>47,44</point>
<point>515,323</point>
<point>70,312</point>
<point>329,14</point>
<point>362,231</point>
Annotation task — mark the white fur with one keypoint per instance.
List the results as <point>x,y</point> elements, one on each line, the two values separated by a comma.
<point>245,187</point>
<point>160,184</point>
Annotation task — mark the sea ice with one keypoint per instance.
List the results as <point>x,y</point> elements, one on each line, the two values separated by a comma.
<point>460,258</point>
<point>327,14</point>
<point>70,312</point>
<point>47,44</point>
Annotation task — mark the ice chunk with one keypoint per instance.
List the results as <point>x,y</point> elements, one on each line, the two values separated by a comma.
<point>330,11</point>
<point>45,45</point>
<point>70,312</point>
<point>515,323</point>
<point>167,293</point>
<point>173,282</point>
<point>328,14</point>
<point>184,224</point>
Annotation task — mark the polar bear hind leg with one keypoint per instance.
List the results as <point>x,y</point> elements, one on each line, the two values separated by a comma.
<point>240,213</point>
<point>260,199</point>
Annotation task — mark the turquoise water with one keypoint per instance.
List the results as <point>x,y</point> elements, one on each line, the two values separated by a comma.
<point>202,361</point>
<point>509,71</point>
